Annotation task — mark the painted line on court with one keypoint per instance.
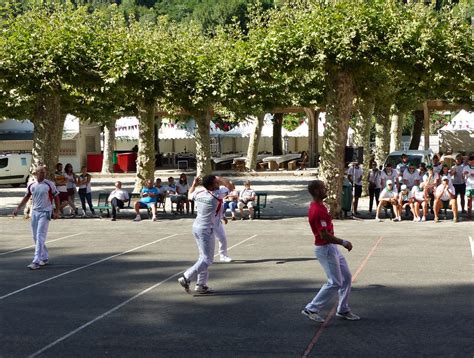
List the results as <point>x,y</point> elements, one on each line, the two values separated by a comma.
<point>112,310</point>
<point>331,314</point>
<point>83,267</point>
<point>49,241</point>
<point>471,241</point>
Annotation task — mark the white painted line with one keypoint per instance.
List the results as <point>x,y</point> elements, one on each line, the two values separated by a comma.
<point>112,310</point>
<point>47,241</point>
<point>83,267</point>
<point>471,241</point>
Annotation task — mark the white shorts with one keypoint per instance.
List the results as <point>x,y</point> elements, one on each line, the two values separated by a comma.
<point>250,204</point>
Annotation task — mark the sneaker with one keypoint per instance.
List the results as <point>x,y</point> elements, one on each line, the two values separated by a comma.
<point>43,262</point>
<point>312,315</point>
<point>203,290</point>
<point>184,283</point>
<point>113,219</point>
<point>436,220</point>
<point>224,258</point>
<point>423,219</point>
<point>377,219</point>
<point>348,315</point>
<point>455,220</point>
<point>33,266</point>
<point>154,218</point>
<point>396,219</point>
<point>137,218</point>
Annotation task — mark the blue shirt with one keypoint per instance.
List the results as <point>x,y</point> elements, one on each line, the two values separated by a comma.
<point>149,199</point>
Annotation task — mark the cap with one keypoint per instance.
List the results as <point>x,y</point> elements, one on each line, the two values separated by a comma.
<point>404,187</point>
<point>444,178</point>
<point>389,182</point>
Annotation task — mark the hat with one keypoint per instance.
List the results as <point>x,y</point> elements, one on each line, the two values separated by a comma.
<point>404,187</point>
<point>444,178</point>
<point>389,182</point>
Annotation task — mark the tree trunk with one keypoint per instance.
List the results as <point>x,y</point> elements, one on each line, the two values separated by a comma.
<point>158,156</point>
<point>277,126</point>
<point>417,130</point>
<point>252,152</point>
<point>313,135</point>
<point>47,135</point>
<point>396,131</point>
<point>338,113</point>
<point>364,110</point>
<point>382,132</point>
<point>146,144</point>
<point>203,143</point>
<point>109,144</point>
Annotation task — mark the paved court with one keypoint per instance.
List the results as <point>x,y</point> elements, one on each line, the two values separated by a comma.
<point>111,290</point>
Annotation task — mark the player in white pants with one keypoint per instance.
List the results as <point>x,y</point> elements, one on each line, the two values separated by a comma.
<point>209,212</point>
<point>219,231</point>
<point>42,192</point>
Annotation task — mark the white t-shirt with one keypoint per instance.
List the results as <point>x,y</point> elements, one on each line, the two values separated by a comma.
<point>392,176</point>
<point>356,174</point>
<point>468,173</point>
<point>388,194</point>
<point>246,194</point>
<point>182,188</point>
<point>208,206</point>
<point>376,177</point>
<point>437,168</point>
<point>417,193</point>
<point>458,178</point>
<point>401,167</point>
<point>444,193</point>
<point>410,178</point>
<point>86,185</point>
<point>42,195</point>
<point>71,180</point>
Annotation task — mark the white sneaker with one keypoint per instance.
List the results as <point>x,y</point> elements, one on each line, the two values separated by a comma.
<point>224,258</point>
<point>423,218</point>
<point>377,219</point>
<point>137,218</point>
<point>203,290</point>
<point>33,266</point>
<point>349,316</point>
<point>154,218</point>
<point>419,219</point>
<point>312,315</point>
<point>43,262</point>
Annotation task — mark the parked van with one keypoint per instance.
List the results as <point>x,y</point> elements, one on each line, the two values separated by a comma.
<point>15,168</point>
<point>414,156</point>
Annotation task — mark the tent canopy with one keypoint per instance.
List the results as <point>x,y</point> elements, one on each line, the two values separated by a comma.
<point>464,120</point>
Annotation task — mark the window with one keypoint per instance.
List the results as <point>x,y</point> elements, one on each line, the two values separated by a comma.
<point>3,162</point>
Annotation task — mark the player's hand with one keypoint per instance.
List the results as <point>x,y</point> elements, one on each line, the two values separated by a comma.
<point>347,245</point>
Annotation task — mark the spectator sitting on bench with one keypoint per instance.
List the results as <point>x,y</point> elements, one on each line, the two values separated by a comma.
<point>148,199</point>
<point>161,191</point>
<point>388,198</point>
<point>247,198</point>
<point>117,199</point>
<point>182,189</point>
<point>303,162</point>
<point>445,195</point>
<point>231,199</point>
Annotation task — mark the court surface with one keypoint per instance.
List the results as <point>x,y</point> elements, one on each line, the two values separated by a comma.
<point>111,290</point>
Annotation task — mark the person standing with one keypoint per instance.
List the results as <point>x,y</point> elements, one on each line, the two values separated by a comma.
<point>85,191</point>
<point>42,192</point>
<point>375,185</point>
<point>355,176</point>
<point>458,181</point>
<point>328,255</point>
<point>468,173</point>
<point>71,180</point>
<point>209,203</point>
<point>219,230</point>
<point>117,199</point>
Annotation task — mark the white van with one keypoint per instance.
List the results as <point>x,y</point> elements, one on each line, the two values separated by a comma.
<point>414,156</point>
<point>15,168</point>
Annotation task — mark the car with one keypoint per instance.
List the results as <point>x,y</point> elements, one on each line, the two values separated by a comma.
<point>414,156</point>
<point>15,168</point>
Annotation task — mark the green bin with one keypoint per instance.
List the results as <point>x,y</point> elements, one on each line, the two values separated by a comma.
<point>346,200</point>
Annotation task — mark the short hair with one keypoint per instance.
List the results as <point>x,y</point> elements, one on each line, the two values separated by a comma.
<point>207,181</point>
<point>247,182</point>
<point>314,185</point>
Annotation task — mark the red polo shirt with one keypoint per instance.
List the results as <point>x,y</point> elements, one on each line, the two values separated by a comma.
<point>319,219</point>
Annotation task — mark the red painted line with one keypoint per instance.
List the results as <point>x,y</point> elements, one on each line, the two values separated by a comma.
<point>331,314</point>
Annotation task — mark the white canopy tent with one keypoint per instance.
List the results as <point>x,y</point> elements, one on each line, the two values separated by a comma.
<point>458,134</point>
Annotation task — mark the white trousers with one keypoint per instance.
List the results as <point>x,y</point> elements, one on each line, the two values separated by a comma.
<point>206,244</point>
<point>339,279</point>
<point>39,225</point>
<point>220,235</point>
